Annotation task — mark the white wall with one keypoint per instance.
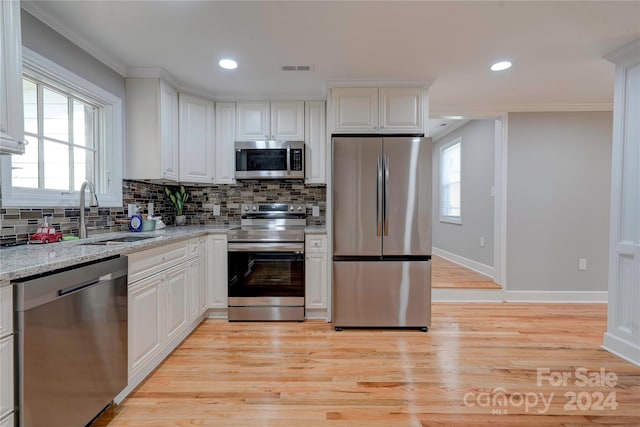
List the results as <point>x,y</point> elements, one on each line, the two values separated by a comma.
<point>42,39</point>
<point>477,203</point>
<point>558,187</point>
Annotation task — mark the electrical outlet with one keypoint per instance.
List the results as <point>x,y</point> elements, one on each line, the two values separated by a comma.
<point>315,211</point>
<point>582,264</point>
<point>216,210</point>
<point>482,242</point>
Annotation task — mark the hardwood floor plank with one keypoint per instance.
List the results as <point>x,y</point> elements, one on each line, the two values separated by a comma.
<point>447,274</point>
<point>307,374</point>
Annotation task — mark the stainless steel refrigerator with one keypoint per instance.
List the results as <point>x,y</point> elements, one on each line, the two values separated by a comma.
<point>381,232</point>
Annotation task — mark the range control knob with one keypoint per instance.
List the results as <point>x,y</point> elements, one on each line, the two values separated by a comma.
<point>299,208</point>
<point>292,208</point>
<point>246,208</point>
<point>255,208</point>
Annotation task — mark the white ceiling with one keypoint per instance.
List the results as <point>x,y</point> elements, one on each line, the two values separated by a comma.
<point>556,47</point>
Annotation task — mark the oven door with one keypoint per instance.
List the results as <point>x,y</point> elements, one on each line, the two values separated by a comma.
<point>265,277</point>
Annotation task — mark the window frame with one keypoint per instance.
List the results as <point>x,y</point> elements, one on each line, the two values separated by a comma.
<point>452,219</point>
<point>108,161</point>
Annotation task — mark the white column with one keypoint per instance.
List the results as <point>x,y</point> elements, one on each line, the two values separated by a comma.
<point>623,330</point>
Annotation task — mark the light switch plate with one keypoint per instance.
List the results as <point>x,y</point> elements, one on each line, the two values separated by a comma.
<point>216,210</point>
<point>315,211</point>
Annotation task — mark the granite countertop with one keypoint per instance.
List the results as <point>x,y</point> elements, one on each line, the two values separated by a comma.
<point>28,260</point>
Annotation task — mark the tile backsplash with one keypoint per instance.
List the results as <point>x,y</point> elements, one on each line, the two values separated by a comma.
<point>16,224</point>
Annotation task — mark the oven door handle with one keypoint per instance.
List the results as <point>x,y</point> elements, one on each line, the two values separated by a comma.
<point>266,247</point>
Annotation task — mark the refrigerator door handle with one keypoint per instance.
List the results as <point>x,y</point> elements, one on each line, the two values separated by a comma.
<point>386,195</point>
<point>379,198</point>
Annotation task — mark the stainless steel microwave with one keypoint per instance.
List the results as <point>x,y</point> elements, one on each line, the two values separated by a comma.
<point>269,159</point>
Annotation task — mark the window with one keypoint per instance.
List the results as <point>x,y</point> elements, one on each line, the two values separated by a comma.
<point>450,182</point>
<point>74,134</point>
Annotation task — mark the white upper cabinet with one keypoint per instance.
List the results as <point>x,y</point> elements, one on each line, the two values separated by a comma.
<point>315,142</point>
<point>197,144</point>
<point>152,129</point>
<point>400,110</point>
<point>377,110</point>
<point>11,106</point>
<point>225,136</point>
<point>252,121</point>
<point>276,120</point>
<point>287,120</point>
<point>355,110</point>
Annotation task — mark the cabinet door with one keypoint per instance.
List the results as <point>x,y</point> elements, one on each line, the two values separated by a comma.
<point>287,120</point>
<point>315,142</point>
<point>11,108</point>
<point>316,282</point>
<point>196,139</point>
<point>225,137</point>
<point>193,289</point>
<point>168,131</point>
<point>6,373</point>
<point>145,322</point>
<point>355,110</point>
<point>177,296</point>
<point>217,271</point>
<point>401,110</point>
<point>202,277</point>
<point>252,121</point>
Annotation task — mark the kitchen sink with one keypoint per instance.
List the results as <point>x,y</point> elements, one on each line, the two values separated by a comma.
<point>118,240</point>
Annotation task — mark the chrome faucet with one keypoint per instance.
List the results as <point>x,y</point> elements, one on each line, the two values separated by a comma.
<point>83,222</point>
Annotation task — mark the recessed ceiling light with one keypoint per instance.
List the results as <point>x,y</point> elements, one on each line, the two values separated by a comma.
<point>228,64</point>
<point>499,66</point>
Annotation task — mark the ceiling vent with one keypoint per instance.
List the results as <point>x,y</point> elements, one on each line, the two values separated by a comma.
<point>296,68</point>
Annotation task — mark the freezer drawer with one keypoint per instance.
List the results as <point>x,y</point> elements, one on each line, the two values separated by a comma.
<point>382,294</point>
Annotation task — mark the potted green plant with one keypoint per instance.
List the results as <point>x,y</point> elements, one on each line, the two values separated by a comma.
<point>178,198</point>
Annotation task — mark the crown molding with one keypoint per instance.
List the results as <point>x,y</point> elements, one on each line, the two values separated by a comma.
<point>378,83</point>
<point>497,110</point>
<point>108,60</point>
<point>629,53</point>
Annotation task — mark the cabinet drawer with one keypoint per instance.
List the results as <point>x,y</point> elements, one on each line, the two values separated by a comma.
<point>146,263</point>
<point>316,244</point>
<point>6,311</point>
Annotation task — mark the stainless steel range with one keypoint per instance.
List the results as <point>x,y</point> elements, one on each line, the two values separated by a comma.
<point>266,263</point>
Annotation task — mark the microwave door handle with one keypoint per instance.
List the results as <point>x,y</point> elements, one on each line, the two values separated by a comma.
<point>288,159</point>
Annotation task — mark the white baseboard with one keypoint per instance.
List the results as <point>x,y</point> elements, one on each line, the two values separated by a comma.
<point>621,347</point>
<point>557,296</point>
<point>476,266</point>
<point>217,313</point>
<point>498,295</point>
<point>466,295</point>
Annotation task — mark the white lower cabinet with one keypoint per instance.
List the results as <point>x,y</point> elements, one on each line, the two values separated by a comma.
<point>177,312</point>
<point>6,354</point>
<point>217,274</point>
<point>8,422</point>
<point>316,280</point>
<point>164,306</point>
<point>145,322</point>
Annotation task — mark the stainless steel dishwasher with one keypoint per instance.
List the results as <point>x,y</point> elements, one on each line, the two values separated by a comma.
<point>71,350</point>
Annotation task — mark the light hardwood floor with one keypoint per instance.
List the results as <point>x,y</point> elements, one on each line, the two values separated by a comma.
<point>306,374</point>
<point>447,274</point>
